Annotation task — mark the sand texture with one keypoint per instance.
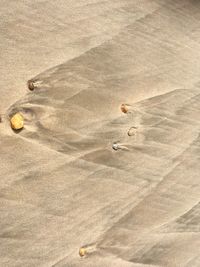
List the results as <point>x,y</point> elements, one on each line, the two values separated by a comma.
<point>62,185</point>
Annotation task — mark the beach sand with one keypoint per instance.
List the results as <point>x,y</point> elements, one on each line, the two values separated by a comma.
<point>62,185</point>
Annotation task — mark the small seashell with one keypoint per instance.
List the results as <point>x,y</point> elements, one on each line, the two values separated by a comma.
<point>132,131</point>
<point>82,252</point>
<point>125,108</point>
<point>17,121</point>
<point>115,146</point>
<point>31,85</point>
<point>87,249</point>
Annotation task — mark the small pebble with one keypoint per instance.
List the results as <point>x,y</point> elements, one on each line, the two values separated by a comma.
<point>17,121</point>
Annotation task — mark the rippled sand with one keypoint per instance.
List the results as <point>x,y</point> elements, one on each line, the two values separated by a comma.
<point>62,185</point>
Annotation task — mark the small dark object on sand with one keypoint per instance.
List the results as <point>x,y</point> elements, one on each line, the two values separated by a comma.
<point>31,85</point>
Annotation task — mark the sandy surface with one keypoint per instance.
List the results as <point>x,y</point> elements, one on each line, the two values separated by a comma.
<point>62,186</point>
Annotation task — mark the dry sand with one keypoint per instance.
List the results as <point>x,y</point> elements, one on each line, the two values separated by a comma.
<point>62,186</point>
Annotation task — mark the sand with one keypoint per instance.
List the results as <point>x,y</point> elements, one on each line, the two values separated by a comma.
<point>62,185</point>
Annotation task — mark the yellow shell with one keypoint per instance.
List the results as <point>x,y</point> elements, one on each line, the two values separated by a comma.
<point>17,121</point>
<point>82,252</point>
